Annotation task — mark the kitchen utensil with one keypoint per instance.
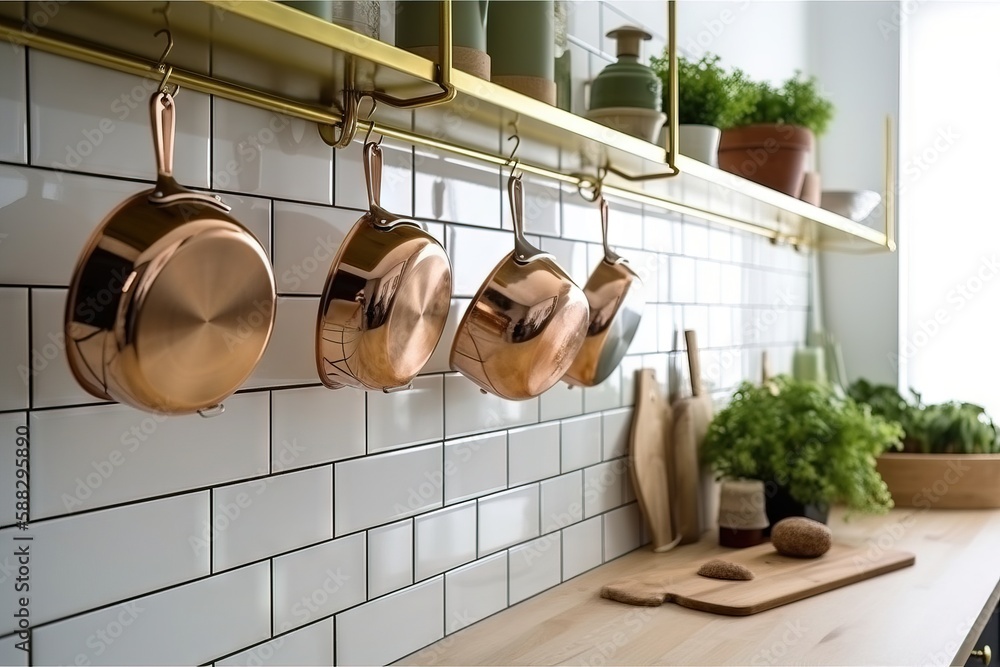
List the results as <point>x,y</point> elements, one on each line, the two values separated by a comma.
<point>854,204</point>
<point>386,298</point>
<point>526,324</point>
<point>649,449</point>
<point>696,491</point>
<point>615,295</point>
<point>777,579</point>
<point>520,38</point>
<point>172,301</point>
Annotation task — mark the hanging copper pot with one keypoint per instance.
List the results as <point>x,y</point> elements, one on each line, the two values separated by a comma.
<point>172,301</point>
<point>527,323</point>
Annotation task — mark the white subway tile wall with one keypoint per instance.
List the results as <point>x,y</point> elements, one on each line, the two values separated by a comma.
<point>304,525</point>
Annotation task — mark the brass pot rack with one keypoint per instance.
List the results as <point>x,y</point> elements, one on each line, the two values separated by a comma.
<point>793,221</point>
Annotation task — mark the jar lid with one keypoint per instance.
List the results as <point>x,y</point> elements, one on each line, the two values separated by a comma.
<point>629,40</point>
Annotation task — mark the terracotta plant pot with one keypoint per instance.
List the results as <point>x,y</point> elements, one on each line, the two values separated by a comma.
<point>812,190</point>
<point>776,156</point>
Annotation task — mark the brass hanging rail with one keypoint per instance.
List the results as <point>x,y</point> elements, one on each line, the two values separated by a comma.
<point>324,116</point>
<point>794,231</point>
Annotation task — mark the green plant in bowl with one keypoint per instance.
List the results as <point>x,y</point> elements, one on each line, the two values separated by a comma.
<point>707,93</point>
<point>943,428</point>
<point>818,446</point>
<point>797,101</point>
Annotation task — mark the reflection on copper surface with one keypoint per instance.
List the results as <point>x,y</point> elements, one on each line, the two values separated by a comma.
<point>615,295</point>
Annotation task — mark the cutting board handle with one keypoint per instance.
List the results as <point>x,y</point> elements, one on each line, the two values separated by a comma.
<point>694,361</point>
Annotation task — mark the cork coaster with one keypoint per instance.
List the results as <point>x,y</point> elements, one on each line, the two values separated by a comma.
<point>537,87</point>
<point>473,61</point>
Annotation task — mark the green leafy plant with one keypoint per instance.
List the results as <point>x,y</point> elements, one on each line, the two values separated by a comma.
<point>802,436</point>
<point>943,428</point>
<point>708,94</point>
<point>796,102</point>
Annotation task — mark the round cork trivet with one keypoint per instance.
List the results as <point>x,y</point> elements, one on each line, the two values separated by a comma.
<point>541,89</point>
<point>473,61</point>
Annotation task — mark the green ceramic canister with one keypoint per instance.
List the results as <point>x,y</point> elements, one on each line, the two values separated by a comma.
<point>627,83</point>
<point>521,42</point>
<point>418,28</point>
<point>362,16</point>
<point>627,95</point>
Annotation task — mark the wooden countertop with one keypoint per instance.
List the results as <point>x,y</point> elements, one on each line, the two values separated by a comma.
<point>931,613</point>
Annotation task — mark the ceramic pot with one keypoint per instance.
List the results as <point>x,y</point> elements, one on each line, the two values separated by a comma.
<point>773,155</point>
<point>520,39</point>
<point>417,29</point>
<point>700,142</point>
<point>780,505</point>
<point>742,519</point>
<point>627,83</point>
<point>363,16</point>
<point>812,190</point>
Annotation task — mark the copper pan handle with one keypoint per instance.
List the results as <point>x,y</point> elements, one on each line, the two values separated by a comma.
<point>168,191</point>
<point>373,174</point>
<point>161,111</point>
<point>610,256</point>
<point>524,252</point>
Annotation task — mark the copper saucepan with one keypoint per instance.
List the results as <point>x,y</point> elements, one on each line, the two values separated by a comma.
<point>527,323</point>
<point>386,298</point>
<point>172,301</point>
<point>616,300</point>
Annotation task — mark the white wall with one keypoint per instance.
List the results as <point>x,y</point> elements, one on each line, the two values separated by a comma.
<point>855,54</point>
<point>768,40</point>
<point>388,520</point>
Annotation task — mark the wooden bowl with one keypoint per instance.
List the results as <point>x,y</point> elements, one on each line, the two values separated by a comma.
<point>942,481</point>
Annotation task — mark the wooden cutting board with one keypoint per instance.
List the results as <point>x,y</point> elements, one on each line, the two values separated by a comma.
<point>695,490</point>
<point>649,449</point>
<point>777,579</point>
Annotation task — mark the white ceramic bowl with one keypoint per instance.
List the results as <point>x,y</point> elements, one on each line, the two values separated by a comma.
<point>642,123</point>
<point>854,204</point>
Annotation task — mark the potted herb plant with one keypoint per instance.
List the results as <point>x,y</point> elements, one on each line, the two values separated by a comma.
<point>709,99</point>
<point>951,451</point>
<point>772,142</point>
<point>809,446</point>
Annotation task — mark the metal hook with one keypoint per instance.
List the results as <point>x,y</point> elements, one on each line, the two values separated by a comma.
<point>371,123</point>
<point>166,51</point>
<point>348,124</point>
<point>513,162</point>
<point>161,65</point>
<point>594,185</point>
